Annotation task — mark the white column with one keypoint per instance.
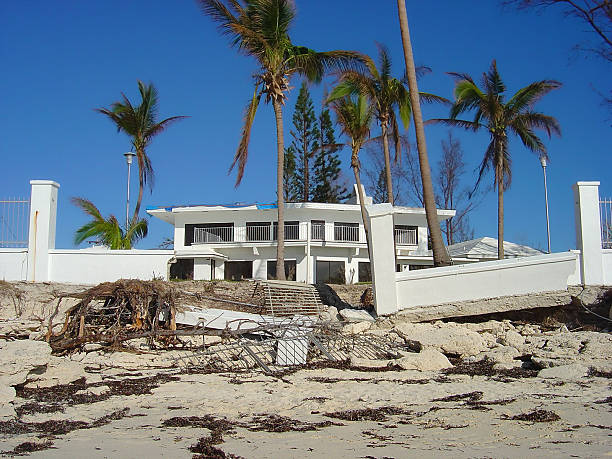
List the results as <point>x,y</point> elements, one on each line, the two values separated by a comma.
<point>43,212</point>
<point>588,232</point>
<point>382,257</point>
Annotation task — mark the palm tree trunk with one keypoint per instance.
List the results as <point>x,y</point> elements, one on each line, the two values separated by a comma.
<point>280,149</point>
<point>366,227</point>
<point>440,256</point>
<point>385,138</point>
<point>140,156</point>
<point>500,209</point>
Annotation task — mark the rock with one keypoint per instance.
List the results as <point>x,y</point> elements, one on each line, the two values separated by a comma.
<point>95,390</point>
<point>59,370</point>
<point>450,339</point>
<point>210,340</point>
<point>19,358</point>
<point>501,354</point>
<point>355,328</point>
<point>330,297</point>
<point>367,363</point>
<point>331,315</point>
<point>356,315</point>
<point>89,347</point>
<point>505,366</point>
<point>18,327</point>
<point>7,395</point>
<point>512,338</point>
<point>426,360</point>
<point>567,372</point>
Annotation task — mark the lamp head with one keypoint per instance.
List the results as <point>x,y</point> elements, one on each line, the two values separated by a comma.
<point>129,156</point>
<point>543,160</point>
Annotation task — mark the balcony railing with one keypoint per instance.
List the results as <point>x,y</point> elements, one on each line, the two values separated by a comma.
<point>213,234</point>
<point>348,233</point>
<point>317,231</point>
<point>405,236</point>
<point>258,233</point>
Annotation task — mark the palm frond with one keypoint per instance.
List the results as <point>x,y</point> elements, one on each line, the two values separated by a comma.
<point>526,97</point>
<point>242,154</point>
<point>469,125</point>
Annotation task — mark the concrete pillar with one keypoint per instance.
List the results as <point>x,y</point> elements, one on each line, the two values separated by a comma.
<point>43,212</point>
<point>382,257</point>
<point>588,232</point>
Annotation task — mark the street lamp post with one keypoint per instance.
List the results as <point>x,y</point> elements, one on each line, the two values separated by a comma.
<point>128,157</point>
<point>543,162</point>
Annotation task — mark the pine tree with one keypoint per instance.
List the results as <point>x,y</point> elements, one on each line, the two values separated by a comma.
<point>305,133</point>
<point>327,187</point>
<point>291,187</point>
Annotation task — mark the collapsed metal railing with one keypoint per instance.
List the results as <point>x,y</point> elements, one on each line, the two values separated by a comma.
<point>273,348</point>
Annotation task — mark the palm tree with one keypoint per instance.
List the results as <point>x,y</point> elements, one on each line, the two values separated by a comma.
<point>141,125</point>
<point>499,118</point>
<point>260,29</point>
<point>388,95</point>
<point>440,255</point>
<point>107,230</point>
<point>354,115</point>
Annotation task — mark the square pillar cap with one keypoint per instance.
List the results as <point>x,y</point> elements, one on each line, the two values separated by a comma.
<point>587,184</point>
<point>379,210</point>
<point>45,182</point>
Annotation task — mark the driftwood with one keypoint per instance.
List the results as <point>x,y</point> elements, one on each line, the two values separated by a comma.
<point>115,311</point>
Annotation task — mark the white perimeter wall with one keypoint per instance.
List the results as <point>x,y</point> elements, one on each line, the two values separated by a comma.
<point>607,266</point>
<point>542,273</point>
<point>92,266</point>
<point>13,264</point>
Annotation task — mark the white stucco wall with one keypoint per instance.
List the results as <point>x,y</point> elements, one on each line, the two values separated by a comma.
<point>92,266</point>
<point>13,264</point>
<point>607,266</point>
<point>490,279</point>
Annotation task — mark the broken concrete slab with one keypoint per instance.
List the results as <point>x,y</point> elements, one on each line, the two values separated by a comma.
<point>356,315</point>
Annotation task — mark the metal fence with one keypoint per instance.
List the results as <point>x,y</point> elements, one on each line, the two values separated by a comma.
<point>605,211</point>
<point>14,222</point>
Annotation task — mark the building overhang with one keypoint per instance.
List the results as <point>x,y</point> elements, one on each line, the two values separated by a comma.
<point>200,252</point>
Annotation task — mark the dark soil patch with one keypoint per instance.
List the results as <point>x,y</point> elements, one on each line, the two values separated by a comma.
<point>27,447</point>
<point>483,404</point>
<point>204,449</point>
<point>212,423</point>
<point>275,423</point>
<point>56,398</point>
<point>607,400</point>
<point>367,414</point>
<point>535,416</point>
<point>485,368</point>
<point>328,380</point>
<point>470,396</point>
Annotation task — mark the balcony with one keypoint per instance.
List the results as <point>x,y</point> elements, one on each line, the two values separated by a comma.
<point>346,232</point>
<point>248,233</point>
<point>405,235</point>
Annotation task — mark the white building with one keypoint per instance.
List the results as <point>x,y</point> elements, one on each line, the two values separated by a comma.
<point>323,242</point>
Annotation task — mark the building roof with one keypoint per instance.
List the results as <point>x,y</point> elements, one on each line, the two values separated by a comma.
<point>486,247</point>
<point>167,213</point>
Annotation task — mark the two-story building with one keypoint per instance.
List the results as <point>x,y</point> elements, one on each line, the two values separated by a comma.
<point>323,242</point>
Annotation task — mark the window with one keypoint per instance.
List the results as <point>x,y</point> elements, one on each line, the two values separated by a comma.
<point>290,267</point>
<point>238,270</point>
<point>182,269</point>
<point>258,231</point>
<point>206,233</point>
<point>417,267</point>
<point>330,272</point>
<point>317,230</point>
<point>364,272</point>
<point>292,231</point>
<point>346,232</point>
<point>406,234</point>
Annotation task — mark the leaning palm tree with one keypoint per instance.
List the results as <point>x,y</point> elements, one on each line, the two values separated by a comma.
<point>388,95</point>
<point>499,118</point>
<point>260,29</point>
<point>354,115</point>
<point>141,125</point>
<point>107,231</point>
<point>440,255</point>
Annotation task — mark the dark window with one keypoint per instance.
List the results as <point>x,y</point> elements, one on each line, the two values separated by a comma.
<point>290,267</point>
<point>258,231</point>
<point>417,267</point>
<point>182,269</point>
<point>317,230</point>
<point>346,231</point>
<point>405,234</point>
<point>292,231</point>
<point>365,272</point>
<point>331,272</point>
<point>238,270</point>
<point>205,233</point>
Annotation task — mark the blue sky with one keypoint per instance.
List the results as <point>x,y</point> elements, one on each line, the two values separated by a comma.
<point>62,59</point>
